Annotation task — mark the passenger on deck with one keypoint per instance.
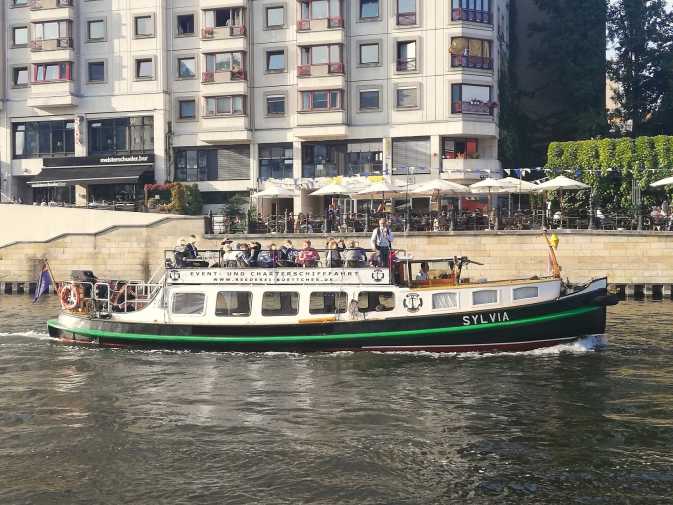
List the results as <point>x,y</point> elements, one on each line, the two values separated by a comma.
<point>424,274</point>
<point>268,258</point>
<point>192,251</point>
<point>243,257</point>
<point>356,257</point>
<point>180,252</point>
<point>287,256</point>
<point>255,248</point>
<point>333,256</point>
<point>308,256</point>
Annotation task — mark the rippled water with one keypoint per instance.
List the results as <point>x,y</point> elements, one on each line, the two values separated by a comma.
<point>568,425</point>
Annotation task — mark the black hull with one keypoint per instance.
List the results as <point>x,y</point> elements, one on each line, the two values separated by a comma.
<point>509,329</point>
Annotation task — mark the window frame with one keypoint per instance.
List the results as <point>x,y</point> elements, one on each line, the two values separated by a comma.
<point>520,298</point>
<point>450,293</point>
<point>115,125</point>
<point>267,8</point>
<point>276,96</point>
<point>153,26</point>
<point>64,72</point>
<point>295,293</point>
<point>137,61</point>
<point>459,85</point>
<point>338,108</point>
<point>231,98</point>
<point>177,25</point>
<point>368,89</point>
<point>497,297</point>
<point>88,72</point>
<point>399,15</point>
<point>14,74</point>
<point>267,54</point>
<point>250,305</point>
<point>174,295</point>
<point>184,100</point>
<point>364,311</point>
<point>338,294</point>
<point>14,28</point>
<point>378,54</point>
<point>36,127</point>
<point>179,60</point>
<point>404,86</point>
<point>369,18</point>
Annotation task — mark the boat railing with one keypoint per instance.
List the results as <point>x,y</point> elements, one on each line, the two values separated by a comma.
<point>105,297</point>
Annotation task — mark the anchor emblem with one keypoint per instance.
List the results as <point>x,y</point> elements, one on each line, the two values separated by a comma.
<point>412,302</point>
<point>174,275</point>
<point>378,275</point>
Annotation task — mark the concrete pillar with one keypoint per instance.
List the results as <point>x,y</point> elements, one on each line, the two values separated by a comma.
<point>296,175</point>
<point>435,155</point>
<point>254,164</point>
<point>161,168</point>
<point>81,195</point>
<point>387,157</point>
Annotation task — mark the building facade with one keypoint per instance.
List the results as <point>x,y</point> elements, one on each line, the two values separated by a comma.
<point>100,97</point>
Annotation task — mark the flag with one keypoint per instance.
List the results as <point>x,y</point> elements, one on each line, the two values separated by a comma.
<point>43,283</point>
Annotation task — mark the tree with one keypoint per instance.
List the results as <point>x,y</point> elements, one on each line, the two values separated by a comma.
<point>641,32</point>
<point>193,200</point>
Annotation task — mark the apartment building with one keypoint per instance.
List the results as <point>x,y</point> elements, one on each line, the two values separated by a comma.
<point>101,96</point>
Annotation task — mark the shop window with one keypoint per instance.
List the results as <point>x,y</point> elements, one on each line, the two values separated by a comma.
<point>121,135</point>
<point>275,161</point>
<point>376,301</point>
<point>233,304</point>
<point>328,302</point>
<point>280,303</point>
<point>191,304</point>
<point>460,148</point>
<point>41,139</point>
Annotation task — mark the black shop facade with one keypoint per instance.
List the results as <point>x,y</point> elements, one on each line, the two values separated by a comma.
<point>93,180</point>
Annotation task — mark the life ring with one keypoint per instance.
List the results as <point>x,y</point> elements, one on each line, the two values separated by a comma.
<point>69,297</point>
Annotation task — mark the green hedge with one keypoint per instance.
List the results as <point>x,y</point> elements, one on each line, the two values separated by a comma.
<point>611,165</point>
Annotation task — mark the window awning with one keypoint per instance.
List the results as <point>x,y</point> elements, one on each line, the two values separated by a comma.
<point>70,176</point>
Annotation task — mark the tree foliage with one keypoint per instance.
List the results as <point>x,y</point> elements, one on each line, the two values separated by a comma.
<point>611,166</point>
<point>193,200</point>
<point>641,32</point>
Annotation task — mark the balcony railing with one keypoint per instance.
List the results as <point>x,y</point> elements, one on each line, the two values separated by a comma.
<point>466,61</point>
<point>224,76</point>
<point>336,68</point>
<point>303,25</point>
<point>303,70</point>
<point>51,44</point>
<point>473,107</point>
<point>320,69</point>
<point>407,65</point>
<point>36,5</point>
<point>210,32</point>
<point>335,22</point>
<point>472,15</point>
<point>406,19</point>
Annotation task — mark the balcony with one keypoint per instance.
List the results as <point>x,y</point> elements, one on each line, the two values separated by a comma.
<point>473,107</point>
<point>320,70</point>
<point>320,31</point>
<point>469,169</point>
<point>36,5</point>
<point>408,65</point>
<point>54,94</point>
<point>225,129</point>
<point>222,32</point>
<point>334,22</point>
<point>477,62</point>
<point>51,44</point>
<point>223,76</point>
<point>472,15</point>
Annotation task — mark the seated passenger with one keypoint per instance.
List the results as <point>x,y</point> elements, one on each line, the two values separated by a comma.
<point>268,258</point>
<point>255,248</point>
<point>333,257</point>
<point>243,256</point>
<point>192,251</point>
<point>287,256</point>
<point>308,256</point>
<point>181,253</point>
<point>375,260</point>
<point>424,274</point>
<point>356,257</point>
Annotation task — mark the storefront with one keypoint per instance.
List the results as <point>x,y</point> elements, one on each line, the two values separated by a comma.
<point>93,180</point>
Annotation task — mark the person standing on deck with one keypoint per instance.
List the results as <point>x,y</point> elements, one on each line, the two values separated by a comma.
<point>382,241</point>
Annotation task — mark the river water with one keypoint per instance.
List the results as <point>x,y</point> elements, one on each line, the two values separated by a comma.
<point>573,424</point>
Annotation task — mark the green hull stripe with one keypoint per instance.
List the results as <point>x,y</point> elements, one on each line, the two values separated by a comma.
<point>322,338</point>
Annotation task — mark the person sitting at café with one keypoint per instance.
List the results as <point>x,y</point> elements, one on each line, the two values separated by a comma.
<point>424,274</point>
<point>308,256</point>
<point>356,257</point>
<point>333,256</point>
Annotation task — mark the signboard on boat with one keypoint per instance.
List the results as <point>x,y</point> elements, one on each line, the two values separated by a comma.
<point>369,276</point>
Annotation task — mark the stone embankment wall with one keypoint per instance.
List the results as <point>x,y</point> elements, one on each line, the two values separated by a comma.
<point>136,252</point>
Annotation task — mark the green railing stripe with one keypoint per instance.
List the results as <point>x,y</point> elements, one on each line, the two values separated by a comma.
<point>321,338</point>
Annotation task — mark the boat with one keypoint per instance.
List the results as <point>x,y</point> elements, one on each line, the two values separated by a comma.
<point>409,305</point>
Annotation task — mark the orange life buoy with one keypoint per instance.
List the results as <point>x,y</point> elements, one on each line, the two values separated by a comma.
<point>70,297</point>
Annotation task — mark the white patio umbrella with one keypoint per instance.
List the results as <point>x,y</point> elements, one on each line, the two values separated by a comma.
<point>438,187</point>
<point>518,186</point>
<point>379,188</point>
<point>276,192</point>
<point>332,189</point>
<point>561,183</point>
<point>489,186</point>
<point>668,181</point>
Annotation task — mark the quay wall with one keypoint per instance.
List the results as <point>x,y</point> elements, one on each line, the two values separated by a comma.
<point>136,252</point>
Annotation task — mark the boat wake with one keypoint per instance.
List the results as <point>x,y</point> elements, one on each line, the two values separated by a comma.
<point>38,335</point>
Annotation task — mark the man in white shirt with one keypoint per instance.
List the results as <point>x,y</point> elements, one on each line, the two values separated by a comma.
<point>382,241</point>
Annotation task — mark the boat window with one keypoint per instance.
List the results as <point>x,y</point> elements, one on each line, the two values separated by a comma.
<point>280,303</point>
<point>376,301</point>
<point>327,302</point>
<point>484,296</point>
<point>233,303</point>
<point>188,303</point>
<point>444,300</point>
<point>525,292</point>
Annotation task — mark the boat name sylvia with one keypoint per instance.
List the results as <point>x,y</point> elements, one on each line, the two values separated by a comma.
<point>493,317</point>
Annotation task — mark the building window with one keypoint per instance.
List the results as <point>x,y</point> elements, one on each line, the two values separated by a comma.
<point>369,9</point>
<point>471,99</point>
<point>369,54</point>
<point>121,135</point>
<point>275,61</point>
<point>275,17</point>
<point>144,68</point>
<point>374,301</point>
<point>471,53</point>
<point>42,139</point>
<point>19,36</point>
<point>196,165</point>
<point>185,25</point>
<point>19,3</point>
<point>406,12</point>
<point>334,159</point>
<point>95,30</point>
<point>46,72</point>
<point>20,77</point>
<point>321,55</point>
<point>280,303</point>
<point>224,105</point>
<point>275,105</point>
<point>187,67</point>
<point>476,11</point>
<point>275,161</point>
<point>369,99</point>
<point>406,97</point>
<point>406,56</point>
<point>321,9</point>
<point>187,109</point>
<point>221,18</point>
<point>322,100</point>
<point>224,62</point>
<point>143,26</point>
<point>459,148</point>
<point>96,71</point>
<point>52,30</point>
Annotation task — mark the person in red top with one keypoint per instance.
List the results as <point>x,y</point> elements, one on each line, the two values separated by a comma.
<point>308,256</point>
